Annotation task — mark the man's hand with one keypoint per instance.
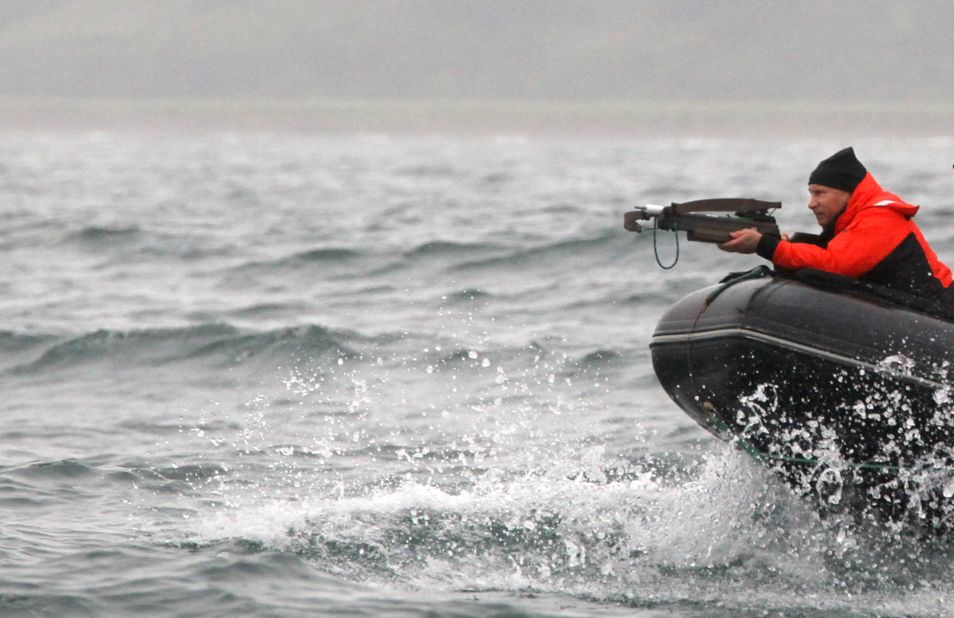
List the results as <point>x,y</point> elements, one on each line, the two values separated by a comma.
<point>743,241</point>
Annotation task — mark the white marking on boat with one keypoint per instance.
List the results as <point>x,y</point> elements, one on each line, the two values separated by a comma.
<point>792,345</point>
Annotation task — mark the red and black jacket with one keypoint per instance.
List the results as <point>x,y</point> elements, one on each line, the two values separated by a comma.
<point>874,240</point>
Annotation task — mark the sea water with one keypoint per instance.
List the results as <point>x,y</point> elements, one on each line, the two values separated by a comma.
<point>298,375</point>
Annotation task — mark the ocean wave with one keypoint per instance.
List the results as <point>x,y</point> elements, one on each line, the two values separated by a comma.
<point>18,348</point>
<point>215,343</point>
<point>487,357</point>
<point>322,256</point>
<point>331,254</point>
<point>11,341</point>
<point>307,341</point>
<point>442,254</point>
<point>103,344</point>
<point>60,469</point>
<point>194,472</point>
<point>496,178</point>
<point>428,171</point>
<point>445,248</point>
<point>127,241</point>
<point>640,297</point>
<point>469,295</point>
<point>571,248</point>
<point>169,427</point>
<point>600,358</point>
<point>221,345</point>
<point>103,234</point>
<point>266,309</point>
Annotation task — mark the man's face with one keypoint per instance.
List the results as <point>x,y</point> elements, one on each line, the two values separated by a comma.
<point>826,203</point>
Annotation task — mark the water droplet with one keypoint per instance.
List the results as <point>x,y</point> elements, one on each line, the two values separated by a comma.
<point>948,489</point>
<point>942,395</point>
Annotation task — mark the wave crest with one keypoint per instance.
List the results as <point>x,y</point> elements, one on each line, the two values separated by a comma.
<point>217,344</point>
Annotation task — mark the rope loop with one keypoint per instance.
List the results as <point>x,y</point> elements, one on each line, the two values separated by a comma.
<point>656,250</point>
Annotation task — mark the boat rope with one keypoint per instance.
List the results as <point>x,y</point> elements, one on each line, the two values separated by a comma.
<point>656,250</point>
<point>738,277</point>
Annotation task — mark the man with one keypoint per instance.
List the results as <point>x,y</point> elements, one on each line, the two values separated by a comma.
<point>867,233</point>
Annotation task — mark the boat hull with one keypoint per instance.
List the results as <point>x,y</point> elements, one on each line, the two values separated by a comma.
<point>829,389</point>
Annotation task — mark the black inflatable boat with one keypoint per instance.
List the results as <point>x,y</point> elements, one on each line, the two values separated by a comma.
<point>842,388</point>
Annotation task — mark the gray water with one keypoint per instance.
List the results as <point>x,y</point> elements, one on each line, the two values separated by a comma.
<point>263,374</point>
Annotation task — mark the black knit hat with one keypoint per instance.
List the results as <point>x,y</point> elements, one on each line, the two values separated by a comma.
<point>841,170</point>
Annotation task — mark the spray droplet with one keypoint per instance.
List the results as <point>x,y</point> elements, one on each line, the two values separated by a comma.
<point>948,489</point>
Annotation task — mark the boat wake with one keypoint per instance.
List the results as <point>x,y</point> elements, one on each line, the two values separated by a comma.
<point>571,520</point>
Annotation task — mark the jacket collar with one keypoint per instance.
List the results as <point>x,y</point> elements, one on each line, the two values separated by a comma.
<point>869,194</point>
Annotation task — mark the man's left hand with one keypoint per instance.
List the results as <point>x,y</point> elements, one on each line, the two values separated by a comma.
<point>743,241</point>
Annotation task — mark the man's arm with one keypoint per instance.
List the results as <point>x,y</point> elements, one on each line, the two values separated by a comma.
<point>851,253</point>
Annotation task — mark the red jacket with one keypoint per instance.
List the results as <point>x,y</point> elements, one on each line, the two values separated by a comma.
<point>873,239</point>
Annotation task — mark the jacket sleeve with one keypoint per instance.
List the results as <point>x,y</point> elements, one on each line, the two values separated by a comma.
<point>854,251</point>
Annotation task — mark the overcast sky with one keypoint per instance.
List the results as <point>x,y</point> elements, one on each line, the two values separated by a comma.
<point>557,50</point>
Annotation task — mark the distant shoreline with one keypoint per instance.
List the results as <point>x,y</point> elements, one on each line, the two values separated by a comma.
<point>745,119</point>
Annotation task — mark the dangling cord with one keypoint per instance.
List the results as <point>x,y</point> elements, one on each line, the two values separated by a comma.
<point>656,251</point>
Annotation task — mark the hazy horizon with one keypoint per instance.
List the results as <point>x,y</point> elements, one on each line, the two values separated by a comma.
<point>434,64</point>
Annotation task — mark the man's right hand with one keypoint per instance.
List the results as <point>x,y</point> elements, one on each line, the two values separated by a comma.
<point>743,241</point>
